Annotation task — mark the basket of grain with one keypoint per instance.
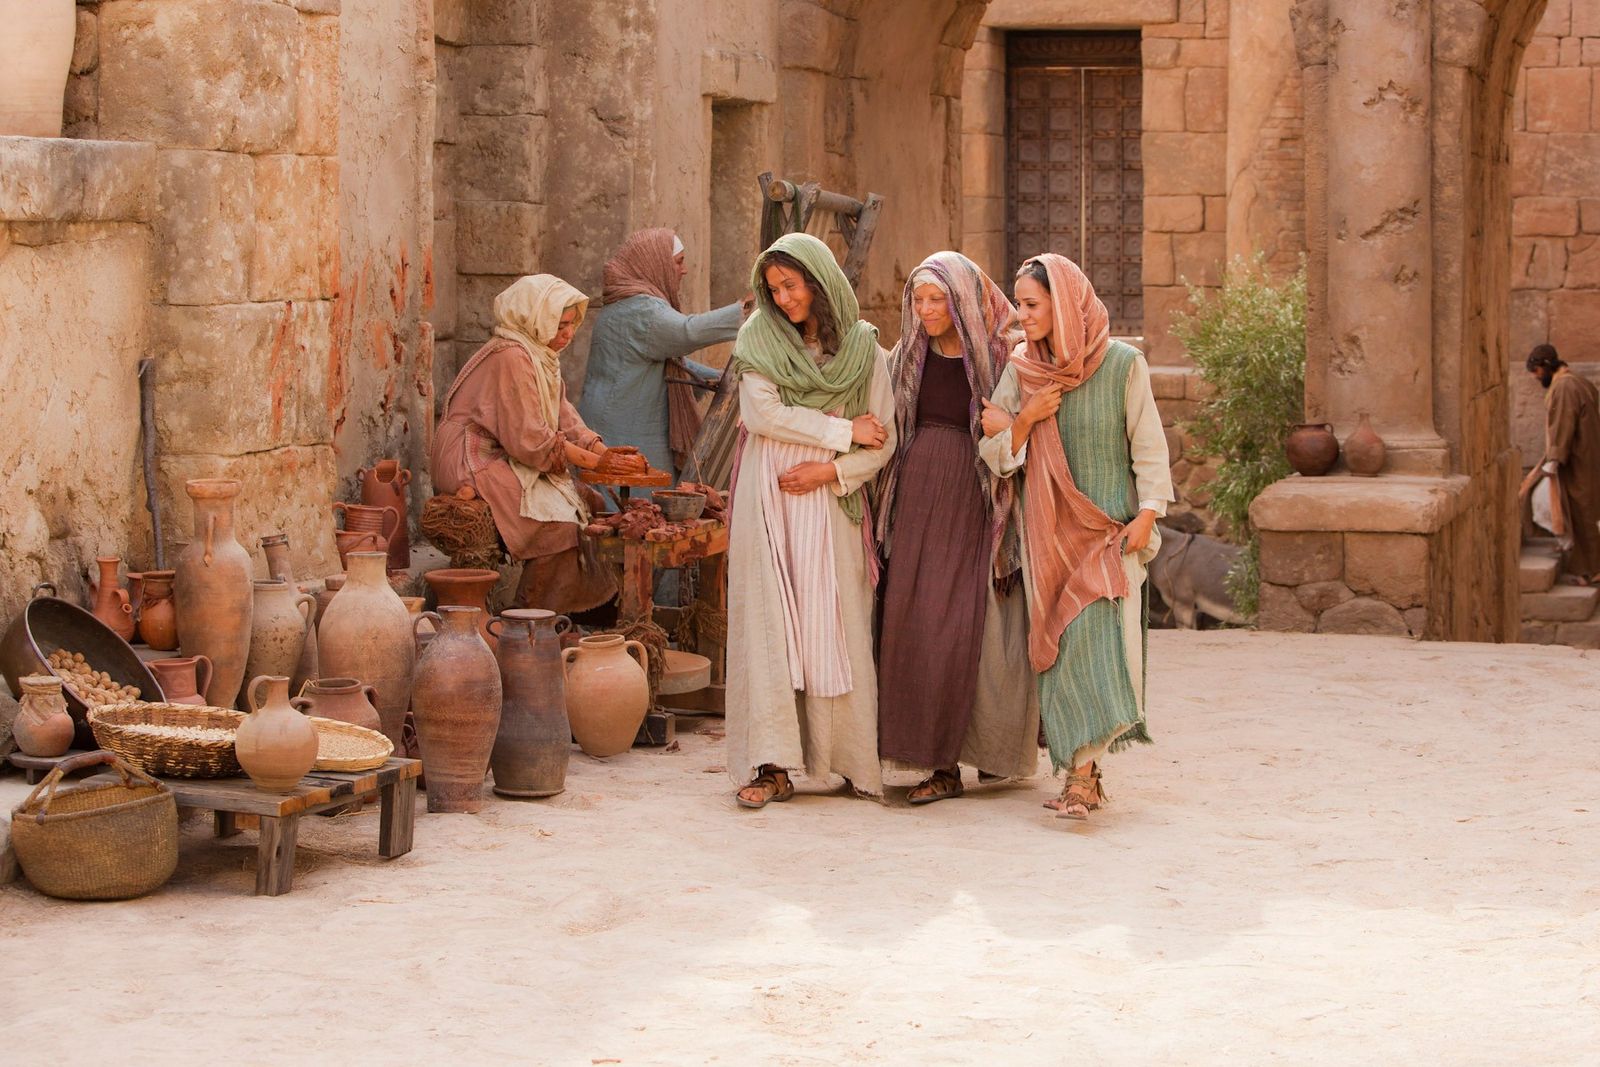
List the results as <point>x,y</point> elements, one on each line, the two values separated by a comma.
<point>343,746</point>
<point>174,740</point>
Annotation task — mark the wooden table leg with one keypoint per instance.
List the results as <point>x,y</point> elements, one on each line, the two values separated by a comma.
<point>224,823</point>
<point>638,581</point>
<point>397,818</point>
<point>712,593</point>
<point>275,854</point>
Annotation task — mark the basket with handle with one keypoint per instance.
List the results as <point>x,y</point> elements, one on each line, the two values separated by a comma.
<point>97,840</point>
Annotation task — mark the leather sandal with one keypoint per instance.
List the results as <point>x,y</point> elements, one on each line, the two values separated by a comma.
<point>943,785</point>
<point>1082,794</point>
<point>777,792</point>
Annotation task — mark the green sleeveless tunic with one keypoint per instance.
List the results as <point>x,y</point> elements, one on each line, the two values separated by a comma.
<point>1087,695</point>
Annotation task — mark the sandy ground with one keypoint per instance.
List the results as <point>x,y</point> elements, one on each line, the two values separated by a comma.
<point>1350,850</point>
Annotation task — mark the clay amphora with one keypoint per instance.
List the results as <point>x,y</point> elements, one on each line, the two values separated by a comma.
<point>534,742</point>
<point>276,745</point>
<point>366,634</point>
<point>384,486</point>
<point>280,627</point>
<point>158,620</point>
<point>213,590</point>
<point>456,705</point>
<point>275,547</point>
<point>1312,449</point>
<point>330,585</point>
<point>110,602</point>
<point>608,693</point>
<point>345,699</point>
<point>184,679</point>
<point>1364,451</point>
<point>466,587</point>
<point>42,726</point>
<point>35,59</point>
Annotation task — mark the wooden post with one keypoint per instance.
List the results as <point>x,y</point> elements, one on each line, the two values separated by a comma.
<point>397,817</point>
<point>275,854</point>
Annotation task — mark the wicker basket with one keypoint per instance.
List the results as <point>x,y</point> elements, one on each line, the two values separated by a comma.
<point>362,749</point>
<point>171,757</point>
<point>99,841</point>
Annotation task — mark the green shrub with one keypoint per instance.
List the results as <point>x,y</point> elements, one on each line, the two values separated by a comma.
<point>1249,344</point>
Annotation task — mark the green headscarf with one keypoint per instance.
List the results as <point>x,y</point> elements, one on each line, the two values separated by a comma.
<point>770,345</point>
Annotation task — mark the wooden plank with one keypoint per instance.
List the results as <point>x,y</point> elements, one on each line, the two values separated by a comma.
<point>275,855</point>
<point>397,818</point>
<point>650,479</point>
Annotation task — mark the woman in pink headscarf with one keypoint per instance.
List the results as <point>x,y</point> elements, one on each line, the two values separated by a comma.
<point>1075,409</point>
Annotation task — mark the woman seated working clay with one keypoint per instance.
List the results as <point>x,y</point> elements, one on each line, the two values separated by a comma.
<point>509,433</point>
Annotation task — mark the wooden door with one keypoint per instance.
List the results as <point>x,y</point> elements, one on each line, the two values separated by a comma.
<point>1075,178</point>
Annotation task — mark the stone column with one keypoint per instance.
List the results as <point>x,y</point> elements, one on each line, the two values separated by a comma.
<point>1265,166</point>
<point>1379,300</point>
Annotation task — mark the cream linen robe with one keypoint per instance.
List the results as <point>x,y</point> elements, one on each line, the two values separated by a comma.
<point>1152,480</point>
<point>767,720</point>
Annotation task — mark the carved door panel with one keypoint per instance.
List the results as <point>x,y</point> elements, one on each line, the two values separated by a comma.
<point>1075,178</point>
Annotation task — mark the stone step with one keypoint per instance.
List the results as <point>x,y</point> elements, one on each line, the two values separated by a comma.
<point>1563,603</point>
<point>1536,572</point>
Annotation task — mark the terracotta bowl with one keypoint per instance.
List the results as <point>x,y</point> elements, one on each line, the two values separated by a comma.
<point>679,506</point>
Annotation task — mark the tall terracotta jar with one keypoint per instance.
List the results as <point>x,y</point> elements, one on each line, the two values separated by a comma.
<point>280,627</point>
<point>158,620</point>
<point>183,679</point>
<point>465,587</point>
<point>384,486</point>
<point>42,726</point>
<point>111,604</point>
<point>276,745</point>
<point>35,57</point>
<point>456,704</point>
<point>345,699</point>
<point>608,692</point>
<point>366,634</point>
<point>275,547</point>
<point>213,590</point>
<point>534,742</point>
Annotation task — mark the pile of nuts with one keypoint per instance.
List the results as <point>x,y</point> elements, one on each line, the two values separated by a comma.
<point>87,684</point>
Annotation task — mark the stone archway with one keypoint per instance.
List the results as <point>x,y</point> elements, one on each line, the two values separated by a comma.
<point>1407,106</point>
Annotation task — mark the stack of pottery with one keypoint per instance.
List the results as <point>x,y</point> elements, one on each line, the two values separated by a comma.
<point>366,634</point>
<point>42,726</point>
<point>345,699</point>
<point>213,590</point>
<point>158,620</point>
<point>185,679</point>
<point>534,742</point>
<point>608,693</point>
<point>384,486</point>
<point>111,604</point>
<point>465,587</point>
<point>366,529</point>
<point>276,745</point>
<point>456,705</point>
<point>280,627</point>
<point>275,547</point>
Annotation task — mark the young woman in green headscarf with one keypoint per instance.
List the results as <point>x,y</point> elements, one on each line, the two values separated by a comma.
<point>818,412</point>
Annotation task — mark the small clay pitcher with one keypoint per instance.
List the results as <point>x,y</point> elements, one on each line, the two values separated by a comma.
<point>1364,451</point>
<point>183,679</point>
<point>275,548</point>
<point>384,486</point>
<point>1312,449</point>
<point>280,627</point>
<point>345,699</point>
<point>466,587</point>
<point>276,745</point>
<point>456,705</point>
<point>213,590</point>
<point>111,603</point>
<point>42,726</point>
<point>366,634</point>
<point>158,617</point>
<point>608,692</point>
<point>534,742</point>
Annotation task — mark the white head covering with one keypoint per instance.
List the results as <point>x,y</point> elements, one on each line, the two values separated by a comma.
<point>677,244</point>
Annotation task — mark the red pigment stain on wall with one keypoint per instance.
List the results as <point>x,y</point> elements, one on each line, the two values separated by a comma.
<point>397,291</point>
<point>343,331</point>
<point>427,279</point>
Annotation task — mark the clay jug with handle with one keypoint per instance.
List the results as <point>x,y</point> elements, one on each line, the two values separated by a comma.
<point>213,590</point>
<point>275,547</point>
<point>111,603</point>
<point>608,692</point>
<point>280,626</point>
<point>534,742</point>
<point>276,745</point>
<point>384,486</point>
<point>366,634</point>
<point>345,699</point>
<point>183,679</point>
<point>456,705</point>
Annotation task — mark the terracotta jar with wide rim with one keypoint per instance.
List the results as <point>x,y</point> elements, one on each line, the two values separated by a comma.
<point>384,486</point>
<point>158,617</point>
<point>456,706</point>
<point>366,634</point>
<point>184,679</point>
<point>465,587</point>
<point>346,699</point>
<point>534,742</point>
<point>42,726</point>
<point>213,590</point>
<point>608,692</point>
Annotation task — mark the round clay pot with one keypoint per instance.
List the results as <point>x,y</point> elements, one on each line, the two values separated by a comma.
<point>276,745</point>
<point>35,59</point>
<point>349,541</point>
<point>466,587</point>
<point>384,486</point>
<point>608,692</point>
<point>213,590</point>
<point>1364,451</point>
<point>183,679</point>
<point>534,742</point>
<point>111,604</point>
<point>456,705</point>
<point>366,634</point>
<point>280,628</point>
<point>158,620</point>
<point>1312,449</point>
<point>345,699</point>
<point>42,726</point>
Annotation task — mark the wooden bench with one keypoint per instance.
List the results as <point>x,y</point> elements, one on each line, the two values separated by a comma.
<point>227,798</point>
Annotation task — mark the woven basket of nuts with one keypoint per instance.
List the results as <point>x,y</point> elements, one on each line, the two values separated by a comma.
<point>174,740</point>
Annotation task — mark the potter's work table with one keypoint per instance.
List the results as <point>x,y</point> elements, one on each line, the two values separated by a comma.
<point>227,798</point>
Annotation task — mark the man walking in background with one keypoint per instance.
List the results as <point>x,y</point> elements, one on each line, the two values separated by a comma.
<point>1571,458</point>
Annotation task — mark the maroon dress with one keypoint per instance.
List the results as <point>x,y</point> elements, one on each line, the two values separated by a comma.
<point>935,598</point>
